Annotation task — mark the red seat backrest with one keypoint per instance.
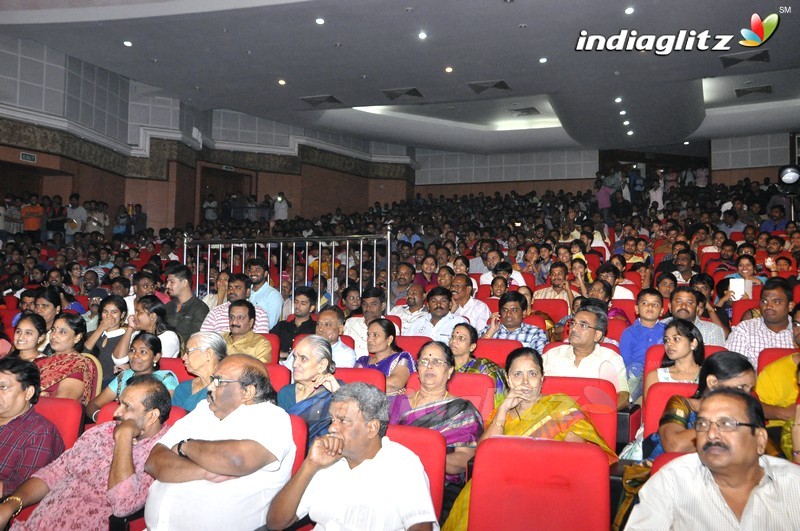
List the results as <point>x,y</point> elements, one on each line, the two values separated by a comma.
<point>347,340</point>
<point>626,305</point>
<point>398,324</point>
<point>662,460</point>
<point>494,307</point>
<point>597,398</point>
<point>175,365</point>
<point>740,307</point>
<point>279,376</point>
<point>484,292</point>
<point>657,398</point>
<point>370,376</point>
<point>615,329</point>
<point>66,414</point>
<point>477,388</point>
<point>769,355</point>
<point>506,495</point>
<point>431,448</point>
<point>530,280</point>
<point>557,309</point>
<point>412,344</point>
<point>275,342</point>
<point>11,301</point>
<point>7,315</point>
<point>300,437</point>
<point>496,350</point>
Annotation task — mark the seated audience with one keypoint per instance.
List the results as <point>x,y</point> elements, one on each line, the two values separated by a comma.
<point>385,356</point>
<point>309,396</point>
<point>150,317</point>
<point>645,332</point>
<point>559,285</point>
<point>676,430</point>
<point>354,457</point>
<point>48,305</point>
<point>238,288</point>
<point>373,305</point>
<point>66,372</point>
<point>476,312</point>
<point>463,342</point>
<point>185,312</point>
<point>437,323</point>
<point>241,339</point>
<point>412,310</point>
<point>685,303</point>
<point>305,304</point>
<point>202,355</point>
<point>30,328</point>
<point>224,461</point>
<point>28,441</point>
<point>432,406</point>
<point>109,333</point>
<point>772,330</point>
<point>584,356</point>
<point>103,474</point>
<point>684,353</point>
<point>144,355</point>
<point>525,412</point>
<point>508,324</point>
<point>728,482</point>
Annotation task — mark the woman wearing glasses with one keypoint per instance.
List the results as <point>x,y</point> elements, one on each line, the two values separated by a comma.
<point>309,397</point>
<point>144,354</point>
<point>525,412</point>
<point>432,406</point>
<point>676,429</point>
<point>204,351</point>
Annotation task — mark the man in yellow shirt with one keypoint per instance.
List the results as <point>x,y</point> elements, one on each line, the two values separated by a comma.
<point>241,339</point>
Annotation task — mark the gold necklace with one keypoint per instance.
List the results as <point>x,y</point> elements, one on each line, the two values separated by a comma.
<point>415,402</point>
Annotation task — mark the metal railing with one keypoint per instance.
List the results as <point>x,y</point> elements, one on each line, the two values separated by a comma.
<point>293,249</point>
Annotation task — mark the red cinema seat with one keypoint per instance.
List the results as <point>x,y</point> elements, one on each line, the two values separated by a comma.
<point>657,398</point>
<point>430,447</point>
<point>477,388</point>
<point>275,342</point>
<point>65,413</point>
<point>496,350</point>
<point>279,376</point>
<point>768,355</point>
<point>412,344</point>
<point>175,365</point>
<point>597,398</point>
<point>370,376</point>
<point>557,309</point>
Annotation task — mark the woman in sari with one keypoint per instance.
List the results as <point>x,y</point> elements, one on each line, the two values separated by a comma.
<point>66,373</point>
<point>463,342</point>
<point>525,412</point>
<point>397,365</point>
<point>432,406</point>
<point>144,355</point>
<point>676,428</point>
<point>201,357</point>
<point>309,397</point>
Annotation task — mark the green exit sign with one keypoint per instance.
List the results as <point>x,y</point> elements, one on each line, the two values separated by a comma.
<point>27,157</point>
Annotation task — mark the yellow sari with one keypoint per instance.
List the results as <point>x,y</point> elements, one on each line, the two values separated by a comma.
<point>552,417</point>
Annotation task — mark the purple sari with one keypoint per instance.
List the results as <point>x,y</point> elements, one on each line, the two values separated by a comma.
<point>388,364</point>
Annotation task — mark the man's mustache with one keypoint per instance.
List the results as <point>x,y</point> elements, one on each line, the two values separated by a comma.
<point>711,444</point>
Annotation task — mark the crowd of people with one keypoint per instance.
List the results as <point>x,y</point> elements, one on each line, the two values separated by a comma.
<point>582,284</point>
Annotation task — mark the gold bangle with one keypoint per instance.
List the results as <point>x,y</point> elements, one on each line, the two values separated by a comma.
<point>21,505</point>
<point>502,426</point>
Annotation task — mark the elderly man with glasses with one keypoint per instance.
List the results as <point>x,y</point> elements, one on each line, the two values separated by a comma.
<point>584,356</point>
<point>220,466</point>
<point>729,483</point>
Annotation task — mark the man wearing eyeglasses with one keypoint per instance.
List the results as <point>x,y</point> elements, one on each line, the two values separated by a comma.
<point>507,323</point>
<point>729,483</point>
<point>220,466</point>
<point>585,357</point>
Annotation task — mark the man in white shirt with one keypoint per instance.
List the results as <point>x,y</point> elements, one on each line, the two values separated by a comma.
<point>584,357</point>
<point>330,325</point>
<point>373,304</point>
<point>221,465</point>
<point>473,310</point>
<point>437,323</point>
<point>354,457</point>
<point>412,310</point>
<point>729,483</point>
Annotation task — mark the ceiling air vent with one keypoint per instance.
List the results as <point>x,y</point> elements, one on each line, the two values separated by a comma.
<point>324,99</point>
<point>396,93</point>
<point>763,89</point>
<point>481,86</point>
<point>525,111</point>
<point>760,56</point>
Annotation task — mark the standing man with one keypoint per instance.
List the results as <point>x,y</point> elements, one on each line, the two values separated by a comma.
<point>76,217</point>
<point>220,466</point>
<point>355,456</point>
<point>261,293</point>
<point>729,483</point>
<point>185,312</point>
<point>31,215</point>
<point>103,474</point>
<point>281,207</point>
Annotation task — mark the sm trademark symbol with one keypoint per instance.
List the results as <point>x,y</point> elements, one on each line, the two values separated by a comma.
<point>785,10</point>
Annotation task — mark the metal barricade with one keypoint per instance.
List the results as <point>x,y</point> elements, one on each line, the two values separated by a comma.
<point>290,251</point>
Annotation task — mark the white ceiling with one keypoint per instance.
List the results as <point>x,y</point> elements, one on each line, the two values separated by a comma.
<point>230,54</point>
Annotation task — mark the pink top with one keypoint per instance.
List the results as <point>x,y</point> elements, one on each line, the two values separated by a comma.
<point>79,497</point>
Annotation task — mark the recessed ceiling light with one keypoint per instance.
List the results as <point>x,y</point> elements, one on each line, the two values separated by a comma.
<point>617,100</point>
<point>623,113</point>
<point>629,11</point>
<point>422,35</point>
<point>522,26</point>
<point>686,143</point>
<point>543,60</point>
<point>281,82</point>
<point>448,69</point>
<point>320,21</point>
<point>630,133</point>
<point>626,122</point>
<point>127,43</point>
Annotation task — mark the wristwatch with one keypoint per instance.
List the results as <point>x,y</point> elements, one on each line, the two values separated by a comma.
<point>180,447</point>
